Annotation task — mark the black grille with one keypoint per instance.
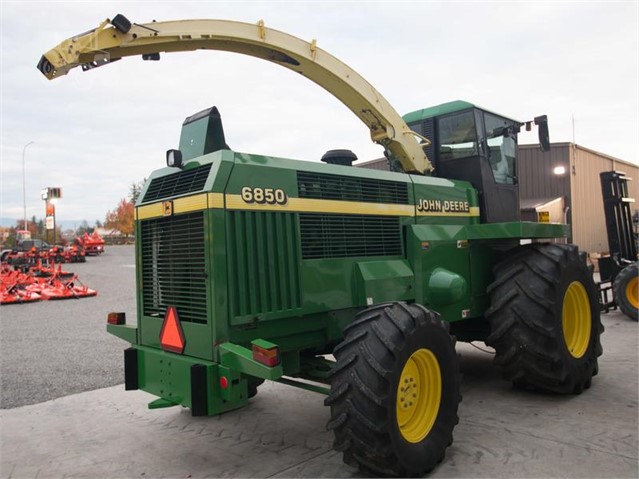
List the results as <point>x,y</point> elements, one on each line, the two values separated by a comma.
<point>426,128</point>
<point>348,188</point>
<point>174,266</point>
<point>339,236</point>
<point>176,184</point>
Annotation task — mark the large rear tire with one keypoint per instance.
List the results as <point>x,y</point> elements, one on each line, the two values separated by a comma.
<point>544,319</point>
<point>625,288</point>
<point>394,390</point>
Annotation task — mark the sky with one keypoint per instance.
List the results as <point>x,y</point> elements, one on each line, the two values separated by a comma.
<point>97,132</point>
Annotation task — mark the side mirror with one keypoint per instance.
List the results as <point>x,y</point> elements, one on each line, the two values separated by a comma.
<point>174,158</point>
<point>544,134</point>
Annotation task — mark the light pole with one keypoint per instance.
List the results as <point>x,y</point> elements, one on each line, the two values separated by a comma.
<point>24,186</point>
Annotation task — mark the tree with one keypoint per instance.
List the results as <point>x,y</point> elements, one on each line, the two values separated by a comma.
<point>83,228</point>
<point>121,218</point>
<point>135,189</point>
<point>11,239</point>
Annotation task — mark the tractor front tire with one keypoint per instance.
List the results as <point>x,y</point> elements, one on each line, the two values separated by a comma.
<point>544,319</point>
<point>625,289</point>
<point>252,385</point>
<point>395,390</point>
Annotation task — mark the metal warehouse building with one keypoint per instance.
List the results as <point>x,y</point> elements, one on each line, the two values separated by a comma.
<point>578,188</point>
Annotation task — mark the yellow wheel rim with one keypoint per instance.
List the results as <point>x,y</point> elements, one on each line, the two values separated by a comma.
<point>419,394</point>
<point>632,292</point>
<point>576,319</point>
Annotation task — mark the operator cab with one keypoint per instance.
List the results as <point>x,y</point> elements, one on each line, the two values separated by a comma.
<point>475,145</point>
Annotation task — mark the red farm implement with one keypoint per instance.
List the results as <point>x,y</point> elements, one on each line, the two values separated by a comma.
<point>40,282</point>
<point>93,244</point>
<point>25,260</point>
<point>13,287</point>
<point>67,254</point>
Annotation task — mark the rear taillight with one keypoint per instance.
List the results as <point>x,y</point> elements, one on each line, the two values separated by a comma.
<point>266,353</point>
<point>116,318</point>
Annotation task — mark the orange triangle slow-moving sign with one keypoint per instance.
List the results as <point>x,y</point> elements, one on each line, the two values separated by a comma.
<point>171,335</point>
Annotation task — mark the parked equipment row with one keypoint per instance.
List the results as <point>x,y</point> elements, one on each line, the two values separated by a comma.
<point>40,282</point>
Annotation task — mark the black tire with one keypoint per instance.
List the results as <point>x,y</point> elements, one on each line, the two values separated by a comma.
<point>529,302</point>
<point>253,384</point>
<point>370,362</point>
<point>624,288</point>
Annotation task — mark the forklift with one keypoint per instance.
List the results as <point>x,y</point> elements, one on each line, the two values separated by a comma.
<point>618,272</point>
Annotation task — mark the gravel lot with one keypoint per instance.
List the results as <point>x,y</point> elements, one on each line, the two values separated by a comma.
<point>51,349</point>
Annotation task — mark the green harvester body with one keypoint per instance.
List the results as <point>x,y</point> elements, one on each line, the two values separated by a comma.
<point>258,251</point>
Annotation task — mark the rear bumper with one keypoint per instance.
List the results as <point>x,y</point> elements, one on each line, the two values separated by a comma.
<point>185,381</point>
<point>179,380</point>
<point>206,387</point>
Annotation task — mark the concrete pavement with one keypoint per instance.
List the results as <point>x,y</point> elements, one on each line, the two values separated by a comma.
<point>503,432</point>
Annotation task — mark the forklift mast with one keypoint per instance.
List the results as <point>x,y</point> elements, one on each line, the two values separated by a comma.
<point>617,208</point>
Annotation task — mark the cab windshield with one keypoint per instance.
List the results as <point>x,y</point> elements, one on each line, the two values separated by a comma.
<point>497,139</point>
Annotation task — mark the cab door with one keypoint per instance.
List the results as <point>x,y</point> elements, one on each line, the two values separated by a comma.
<point>500,191</point>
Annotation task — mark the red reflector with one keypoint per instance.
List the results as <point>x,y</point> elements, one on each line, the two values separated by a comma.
<point>224,383</point>
<point>116,318</point>
<point>171,335</point>
<point>269,357</point>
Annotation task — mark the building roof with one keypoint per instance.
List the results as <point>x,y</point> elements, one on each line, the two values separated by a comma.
<point>382,163</point>
<point>583,148</point>
<point>107,232</point>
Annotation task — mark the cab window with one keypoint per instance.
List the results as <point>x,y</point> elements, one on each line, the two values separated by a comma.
<point>457,136</point>
<point>502,148</point>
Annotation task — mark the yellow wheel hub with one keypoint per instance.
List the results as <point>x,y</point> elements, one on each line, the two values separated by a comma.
<point>419,394</point>
<point>632,292</point>
<point>576,319</point>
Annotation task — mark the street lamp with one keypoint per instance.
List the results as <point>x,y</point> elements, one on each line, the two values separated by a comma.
<point>24,185</point>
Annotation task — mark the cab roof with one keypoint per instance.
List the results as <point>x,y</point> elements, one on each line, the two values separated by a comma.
<point>443,109</point>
